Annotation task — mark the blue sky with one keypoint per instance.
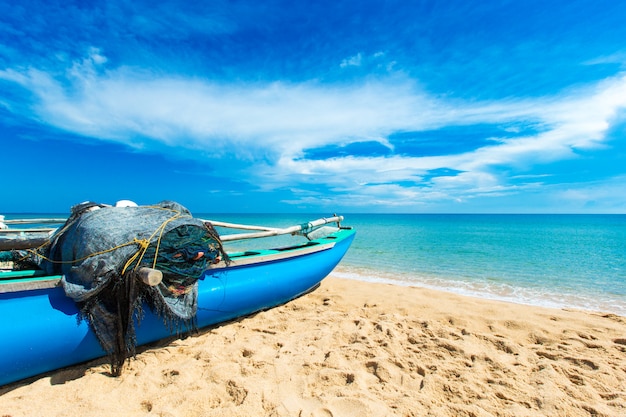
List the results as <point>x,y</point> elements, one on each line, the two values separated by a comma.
<point>326,106</point>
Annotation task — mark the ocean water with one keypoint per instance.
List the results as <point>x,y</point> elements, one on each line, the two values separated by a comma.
<point>562,261</point>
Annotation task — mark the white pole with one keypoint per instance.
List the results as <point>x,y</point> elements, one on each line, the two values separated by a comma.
<point>34,221</point>
<point>278,232</point>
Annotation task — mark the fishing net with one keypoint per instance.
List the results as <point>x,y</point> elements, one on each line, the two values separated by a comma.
<point>99,252</point>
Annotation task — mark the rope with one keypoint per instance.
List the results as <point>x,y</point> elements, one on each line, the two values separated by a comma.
<point>140,242</point>
<point>143,246</point>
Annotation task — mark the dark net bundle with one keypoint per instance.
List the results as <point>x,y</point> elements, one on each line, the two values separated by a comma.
<point>99,252</point>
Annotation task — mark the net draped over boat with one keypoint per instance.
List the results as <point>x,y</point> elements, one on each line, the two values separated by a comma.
<point>99,252</point>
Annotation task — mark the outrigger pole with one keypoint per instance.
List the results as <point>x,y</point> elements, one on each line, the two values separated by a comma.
<point>271,231</point>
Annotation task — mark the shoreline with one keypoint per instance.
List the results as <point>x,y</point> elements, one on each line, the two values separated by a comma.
<point>354,348</point>
<point>511,294</point>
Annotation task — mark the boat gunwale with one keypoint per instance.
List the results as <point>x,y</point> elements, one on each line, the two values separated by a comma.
<point>17,285</point>
<point>43,230</point>
<point>254,257</point>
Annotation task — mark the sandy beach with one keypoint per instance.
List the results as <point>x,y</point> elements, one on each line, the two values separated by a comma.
<point>359,349</point>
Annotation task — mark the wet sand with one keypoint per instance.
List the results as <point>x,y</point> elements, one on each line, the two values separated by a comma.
<point>359,349</point>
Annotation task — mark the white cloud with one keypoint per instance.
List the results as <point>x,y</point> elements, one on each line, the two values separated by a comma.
<point>615,58</point>
<point>353,61</point>
<point>607,195</point>
<point>115,105</point>
<point>283,119</point>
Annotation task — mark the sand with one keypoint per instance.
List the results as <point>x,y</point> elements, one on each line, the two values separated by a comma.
<point>359,349</point>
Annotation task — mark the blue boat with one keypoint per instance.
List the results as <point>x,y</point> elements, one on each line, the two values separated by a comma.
<point>41,332</point>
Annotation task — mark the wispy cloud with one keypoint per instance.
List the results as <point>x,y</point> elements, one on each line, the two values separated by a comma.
<point>353,61</point>
<point>270,124</point>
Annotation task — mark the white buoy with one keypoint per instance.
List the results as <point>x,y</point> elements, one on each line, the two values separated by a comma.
<point>125,203</point>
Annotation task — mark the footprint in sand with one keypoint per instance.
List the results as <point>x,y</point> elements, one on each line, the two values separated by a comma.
<point>169,377</point>
<point>379,371</point>
<point>345,407</point>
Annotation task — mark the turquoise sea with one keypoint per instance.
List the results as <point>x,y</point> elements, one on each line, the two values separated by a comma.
<point>563,261</point>
<point>572,261</point>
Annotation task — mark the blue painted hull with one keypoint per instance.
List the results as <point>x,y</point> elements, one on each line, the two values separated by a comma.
<point>41,333</point>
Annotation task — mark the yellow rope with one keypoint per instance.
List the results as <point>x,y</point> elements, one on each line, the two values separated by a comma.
<point>135,240</point>
<point>143,246</point>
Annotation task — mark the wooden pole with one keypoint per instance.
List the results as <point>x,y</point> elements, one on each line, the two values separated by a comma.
<point>150,276</point>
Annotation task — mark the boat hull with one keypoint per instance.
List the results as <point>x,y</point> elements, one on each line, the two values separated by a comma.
<point>41,331</point>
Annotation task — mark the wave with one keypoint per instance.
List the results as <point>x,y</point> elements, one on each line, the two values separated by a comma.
<point>500,291</point>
